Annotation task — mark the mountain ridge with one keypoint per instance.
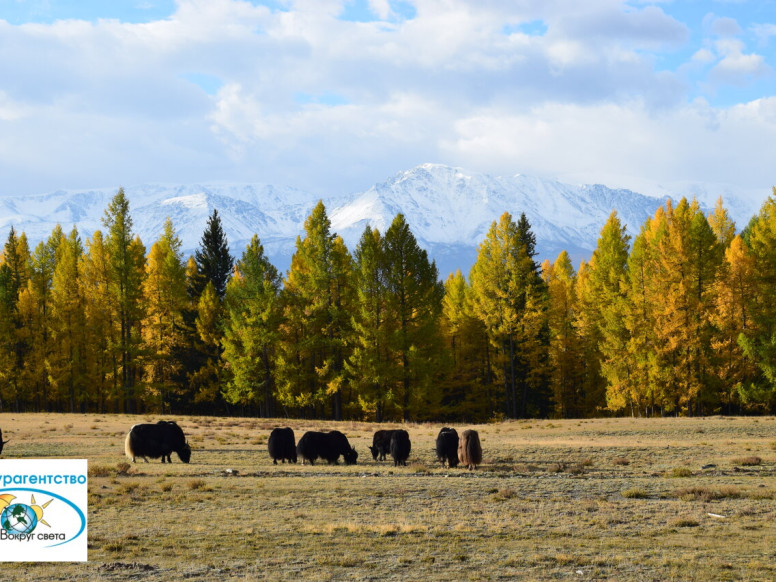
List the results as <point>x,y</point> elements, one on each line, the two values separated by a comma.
<point>448,209</point>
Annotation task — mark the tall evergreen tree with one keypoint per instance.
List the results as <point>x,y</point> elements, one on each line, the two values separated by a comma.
<point>15,270</point>
<point>415,304</point>
<point>565,346</point>
<point>759,340</point>
<point>604,304</point>
<point>252,330</point>
<point>735,297</point>
<point>127,266</point>
<point>369,364</point>
<point>67,366</point>
<point>206,379</point>
<point>317,304</point>
<point>510,299</point>
<point>468,388</point>
<point>102,325</point>
<point>165,298</point>
<point>214,263</point>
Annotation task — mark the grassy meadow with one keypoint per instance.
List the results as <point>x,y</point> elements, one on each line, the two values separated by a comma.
<point>608,499</point>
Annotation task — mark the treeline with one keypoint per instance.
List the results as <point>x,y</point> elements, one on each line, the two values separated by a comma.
<point>679,320</point>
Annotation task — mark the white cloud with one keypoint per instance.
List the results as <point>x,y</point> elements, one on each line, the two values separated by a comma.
<point>85,104</point>
<point>618,144</point>
<point>725,27</point>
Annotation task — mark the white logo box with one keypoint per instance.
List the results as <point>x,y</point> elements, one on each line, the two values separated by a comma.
<point>43,510</point>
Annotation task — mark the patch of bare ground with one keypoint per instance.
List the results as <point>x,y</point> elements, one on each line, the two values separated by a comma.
<point>609,499</point>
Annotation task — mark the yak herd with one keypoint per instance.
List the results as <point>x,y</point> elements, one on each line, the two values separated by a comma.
<point>166,437</point>
<point>450,448</point>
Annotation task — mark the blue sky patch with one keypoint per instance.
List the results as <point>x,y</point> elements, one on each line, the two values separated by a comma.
<point>210,84</point>
<point>533,28</point>
<point>327,98</point>
<point>361,11</point>
<point>48,11</point>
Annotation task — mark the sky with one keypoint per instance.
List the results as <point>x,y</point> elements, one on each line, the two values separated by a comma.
<point>332,96</point>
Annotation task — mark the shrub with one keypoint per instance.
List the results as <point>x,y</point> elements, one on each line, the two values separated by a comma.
<point>678,472</point>
<point>748,461</point>
<point>706,493</point>
<point>635,493</point>
<point>100,471</point>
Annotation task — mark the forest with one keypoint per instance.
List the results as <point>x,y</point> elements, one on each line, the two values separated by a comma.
<point>678,320</point>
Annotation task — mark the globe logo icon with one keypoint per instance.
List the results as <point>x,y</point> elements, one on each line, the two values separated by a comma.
<point>19,519</point>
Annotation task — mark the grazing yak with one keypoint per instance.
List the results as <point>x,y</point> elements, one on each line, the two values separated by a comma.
<point>400,447</point>
<point>157,440</point>
<point>469,449</point>
<point>326,445</point>
<point>447,446</point>
<point>381,444</point>
<point>2,442</point>
<point>282,445</point>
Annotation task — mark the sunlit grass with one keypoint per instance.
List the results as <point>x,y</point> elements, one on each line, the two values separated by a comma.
<point>623,499</point>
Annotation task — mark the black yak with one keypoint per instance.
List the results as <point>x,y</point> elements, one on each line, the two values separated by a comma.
<point>2,442</point>
<point>157,440</point>
<point>469,449</point>
<point>282,445</point>
<point>326,445</point>
<point>381,444</point>
<point>400,447</point>
<point>447,446</point>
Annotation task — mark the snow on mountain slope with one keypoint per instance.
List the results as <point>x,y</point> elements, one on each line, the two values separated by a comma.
<point>448,210</point>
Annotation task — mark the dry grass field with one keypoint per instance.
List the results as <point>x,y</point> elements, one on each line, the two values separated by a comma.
<point>610,499</point>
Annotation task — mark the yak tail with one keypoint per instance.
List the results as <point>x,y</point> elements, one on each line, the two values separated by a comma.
<point>128,447</point>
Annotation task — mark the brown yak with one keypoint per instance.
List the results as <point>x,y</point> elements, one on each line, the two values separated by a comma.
<point>469,449</point>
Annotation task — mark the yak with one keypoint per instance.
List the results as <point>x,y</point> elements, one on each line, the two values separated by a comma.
<point>157,440</point>
<point>282,445</point>
<point>447,446</point>
<point>327,446</point>
<point>469,449</point>
<point>381,444</point>
<point>2,442</point>
<point>400,447</point>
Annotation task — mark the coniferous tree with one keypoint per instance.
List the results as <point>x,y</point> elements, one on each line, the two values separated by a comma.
<point>759,340</point>
<point>735,297</point>
<point>252,330</point>
<point>415,304</point>
<point>565,346</point>
<point>36,315</point>
<point>510,299</point>
<point>214,263</point>
<point>165,297</point>
<point>604,306</point>
<point>101,324</point>
<point>468,388</point>
<point>369,364</point>
<point>15,265</point>
<point>317,305</point>
<point>206,380</point>
<point>127,267</point>
<point>67,367</point>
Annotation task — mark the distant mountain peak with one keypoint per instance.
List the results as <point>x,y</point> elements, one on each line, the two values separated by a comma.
<point>449,209</point>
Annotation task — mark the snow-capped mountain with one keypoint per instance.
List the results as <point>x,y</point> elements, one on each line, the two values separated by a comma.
<point>448,210</point>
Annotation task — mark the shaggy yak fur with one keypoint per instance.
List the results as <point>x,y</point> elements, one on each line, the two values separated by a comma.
<point>469,449</point>
<point>326,445</point>
<point>157,440</point>
<point>381,444</point>
<point>447,446</point>
<point>282,445</point>
<point>400,447</point>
